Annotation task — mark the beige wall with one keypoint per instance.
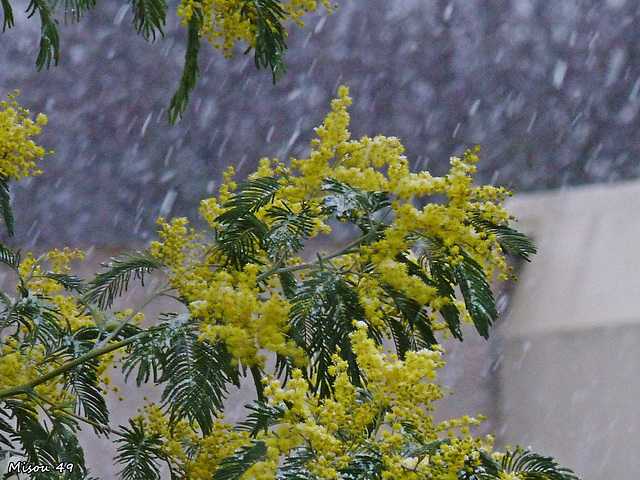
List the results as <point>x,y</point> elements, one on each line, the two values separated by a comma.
<point>570,344</point>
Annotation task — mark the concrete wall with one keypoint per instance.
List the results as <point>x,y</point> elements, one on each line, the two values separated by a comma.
<point>570,344</point>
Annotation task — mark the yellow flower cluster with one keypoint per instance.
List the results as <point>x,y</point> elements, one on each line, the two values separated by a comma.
<point>32,270</point>
<point>20,363</point>
<point>227,21</point>
<point>245,307</point>
<point>229,304</point>
<point>399,393</point>
<point>392,413</point>
<point>243,303</point>
<point>195,455</point>
<point>18,153</point>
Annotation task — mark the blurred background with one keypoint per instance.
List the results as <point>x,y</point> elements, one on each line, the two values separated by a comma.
<point>550,90</point>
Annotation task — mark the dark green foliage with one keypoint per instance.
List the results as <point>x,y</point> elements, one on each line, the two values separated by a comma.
<point>322,315</point>
<point>83,381</point>
<point>240,242</point>
<point>75,8</point>
<point>533,466</point>
<point>270,35</point>
<point>190,71</point>
<point>348,203</point>
<point>38,319</point>
<point>49,50</point>
<point>9,258</point>
<point>469,276</point>
<point>413,330</point>
<point>287,231</point>
<point>7,13</point>
<point>140,452</point>
<point>441,278</point>
<point>242,235</point>
<point>477,294</point>
<point>106,286</point>
<point>364,466</point>
<point>6,430</point>
<point>69,282</point>
<point>510,240</point>
<point>249,197</point>
<point>196,373</point>
<point>148,355</point>
<point>48,443</point>
<point>149,17</point>
<point>295,466</point>
<point>5,200</point>
<point>263,415</point>
<point>523,462</point>
<point>233,467</point>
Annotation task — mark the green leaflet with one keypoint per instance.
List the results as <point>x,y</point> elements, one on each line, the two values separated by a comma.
<point>106,286</point>
<point>190,71</point>
<point>149,17</point>
<point>232,468</point>
<point>140,452</point>
<point>5,200</point>
<point>270,35</point>
<point>49,50</point>
<point>510,240</point>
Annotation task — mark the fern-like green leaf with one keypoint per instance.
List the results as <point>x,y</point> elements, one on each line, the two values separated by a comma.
<point>270,34</point>
<point>322,316</point>
<point>75,8</point>
<point>509,239</point>
<point>469,276</point>
<point>364,466</point>
<point>49,50</point>
<point>287,231</point>
<point>415,317</point>
<point>263,415</point>
<point>357,206</point>
<point>6,430</point>
<point>241,241</point>
<point>5,199</point>
<point>48,443</point>
<point>7,13</point>
<point>477,294</point>
<point>150,355</point>
<point>487,469</point>
<point>69,282</point>
<point>533,466</point>
<point>233,467</point>
<point>242,235</point>
<point>295,466</point>
<point>140,452</point>
<point>39,321</point>
<point>83,381</point>
<point>65,446</point>
<point>190,71</point>
<point>196,374</point>
<point>106,286</point>
<point>9,258</point>
<point>250,197</point>
<point>149,17</point>
<point>441,277</point>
